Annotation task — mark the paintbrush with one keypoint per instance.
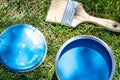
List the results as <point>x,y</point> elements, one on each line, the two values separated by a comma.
<point>72,13</point>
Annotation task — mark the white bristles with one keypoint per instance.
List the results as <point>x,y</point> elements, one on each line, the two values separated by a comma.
<point>56,11</point>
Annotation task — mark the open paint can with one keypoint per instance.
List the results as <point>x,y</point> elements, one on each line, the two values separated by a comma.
<point>22,48</point>
<point>85,58</point>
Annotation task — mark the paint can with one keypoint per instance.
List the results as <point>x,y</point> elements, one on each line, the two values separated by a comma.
<point>85,58</point>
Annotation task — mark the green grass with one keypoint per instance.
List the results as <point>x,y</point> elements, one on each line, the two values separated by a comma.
<point>34,12</point>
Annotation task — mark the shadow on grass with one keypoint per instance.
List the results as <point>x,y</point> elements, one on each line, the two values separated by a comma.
<point>54,77</point>
<point>21,76</point>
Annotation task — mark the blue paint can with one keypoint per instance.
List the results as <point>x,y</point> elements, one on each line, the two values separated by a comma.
<point>22,48</point>
<point>85,58</point>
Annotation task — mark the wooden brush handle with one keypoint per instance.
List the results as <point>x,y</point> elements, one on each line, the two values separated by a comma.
<point>81,16</point>
<point>106,23</point>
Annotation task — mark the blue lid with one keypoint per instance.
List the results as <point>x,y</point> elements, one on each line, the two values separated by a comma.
<point>22,48</point>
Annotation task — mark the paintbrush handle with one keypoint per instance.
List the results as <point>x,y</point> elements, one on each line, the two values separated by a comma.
<point>81,16</point>
<point>106,23</point>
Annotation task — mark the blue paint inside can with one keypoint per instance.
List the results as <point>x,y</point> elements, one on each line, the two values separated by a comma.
<point>84,58</point>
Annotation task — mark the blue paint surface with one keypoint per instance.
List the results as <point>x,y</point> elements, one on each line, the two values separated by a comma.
<point>85,58</point>
<point>22,47</point>
<point>82,63</point>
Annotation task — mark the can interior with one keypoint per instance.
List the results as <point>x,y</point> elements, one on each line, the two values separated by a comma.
<point>84,59</point>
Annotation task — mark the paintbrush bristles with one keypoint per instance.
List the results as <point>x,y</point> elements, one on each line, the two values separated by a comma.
<point>56,11</point>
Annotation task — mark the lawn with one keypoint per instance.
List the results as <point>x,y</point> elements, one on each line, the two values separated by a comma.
<point>34,12</point>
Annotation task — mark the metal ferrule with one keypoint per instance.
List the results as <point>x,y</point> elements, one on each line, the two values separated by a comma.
<point>69,13</point>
